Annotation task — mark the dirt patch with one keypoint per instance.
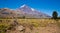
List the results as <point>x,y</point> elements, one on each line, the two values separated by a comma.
<point>50,28</point>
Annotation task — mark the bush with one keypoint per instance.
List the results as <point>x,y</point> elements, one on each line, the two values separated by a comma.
<point>55,15</point>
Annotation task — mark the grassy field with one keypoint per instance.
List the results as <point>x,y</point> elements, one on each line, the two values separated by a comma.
<point>5,23</point>
<point>36,22</point>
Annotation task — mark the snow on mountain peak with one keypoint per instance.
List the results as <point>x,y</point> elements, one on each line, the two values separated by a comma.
<point>23,5</point>
<point>32,9</point>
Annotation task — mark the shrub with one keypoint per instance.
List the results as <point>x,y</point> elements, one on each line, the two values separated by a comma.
<point>54,15</point>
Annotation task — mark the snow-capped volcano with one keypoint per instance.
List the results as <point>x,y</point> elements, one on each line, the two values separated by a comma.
<point>26,7</point>
<point>24,10</point>
<point>31,12</point>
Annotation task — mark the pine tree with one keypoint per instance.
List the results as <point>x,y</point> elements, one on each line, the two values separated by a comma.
<point>55,15</point>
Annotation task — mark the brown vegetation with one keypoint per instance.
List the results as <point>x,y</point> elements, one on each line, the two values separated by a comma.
<point>30,25</point>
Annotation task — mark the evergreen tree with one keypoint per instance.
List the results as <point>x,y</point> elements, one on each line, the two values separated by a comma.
<point>55,15</point>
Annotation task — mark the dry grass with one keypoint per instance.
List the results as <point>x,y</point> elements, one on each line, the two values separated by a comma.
<point>35,22</point>
<point>39,24</point>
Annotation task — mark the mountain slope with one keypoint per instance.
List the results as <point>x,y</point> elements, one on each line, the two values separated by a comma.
<point>32,13</point>
<point>23,11</point>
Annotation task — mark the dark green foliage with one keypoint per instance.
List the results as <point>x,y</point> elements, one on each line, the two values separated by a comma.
<point>55,15</point>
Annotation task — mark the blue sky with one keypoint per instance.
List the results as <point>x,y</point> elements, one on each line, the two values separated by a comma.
<point>45,6</point>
